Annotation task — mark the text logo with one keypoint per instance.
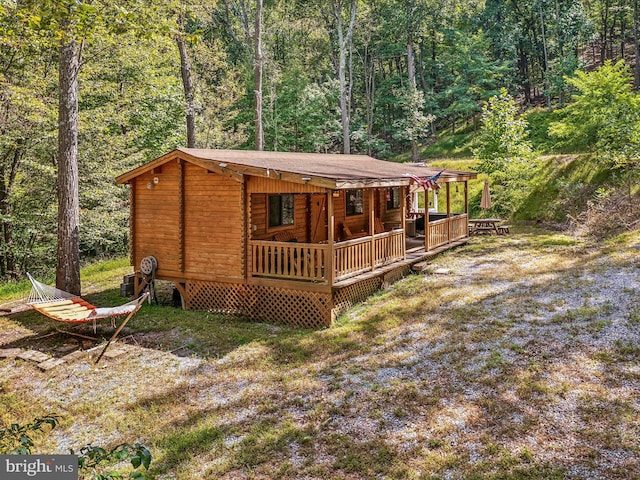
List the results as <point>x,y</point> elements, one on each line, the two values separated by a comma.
<point>39,467</point>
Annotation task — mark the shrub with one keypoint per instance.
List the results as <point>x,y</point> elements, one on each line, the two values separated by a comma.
<point>611,212</point>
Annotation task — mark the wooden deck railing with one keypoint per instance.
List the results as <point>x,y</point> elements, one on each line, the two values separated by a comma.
<point>307,261</point>
<point>390,247</point>
<point>438,233</point>
<point>447,230</point>
<point>459,227</point>
<point>352,257</point>
<point>286,260</point>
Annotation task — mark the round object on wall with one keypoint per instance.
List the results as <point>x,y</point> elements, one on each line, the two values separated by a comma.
<point>148,265</point>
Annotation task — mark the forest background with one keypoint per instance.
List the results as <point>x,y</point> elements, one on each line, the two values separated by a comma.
<point>379,77</point>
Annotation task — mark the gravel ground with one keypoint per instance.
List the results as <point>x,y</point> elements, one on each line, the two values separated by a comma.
<point>519,359</point>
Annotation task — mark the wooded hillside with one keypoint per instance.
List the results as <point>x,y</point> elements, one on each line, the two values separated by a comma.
<point>377,77</point>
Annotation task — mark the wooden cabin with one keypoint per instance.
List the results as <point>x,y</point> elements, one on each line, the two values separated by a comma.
<point>288,237</point>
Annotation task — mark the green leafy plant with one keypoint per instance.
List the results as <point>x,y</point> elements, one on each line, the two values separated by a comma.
<point>17,439</point>
<point>93,461</point>
<point>505,153</point>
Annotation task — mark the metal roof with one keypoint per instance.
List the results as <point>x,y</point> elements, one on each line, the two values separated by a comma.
<point>335,171</point>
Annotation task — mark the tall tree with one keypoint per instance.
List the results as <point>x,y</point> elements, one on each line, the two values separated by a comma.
<point>187,82</point>
<point>343,42</point>
<point>636,46</point>
<point>411,70</point>
<point>258,65</point>
<point>71,28</point>
<point>68,269</point>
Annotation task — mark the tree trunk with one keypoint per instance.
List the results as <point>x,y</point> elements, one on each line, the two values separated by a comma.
<point>187,82</point>
<point>623,26</point>
<point>411,71</point>
<point>559,35</point>
<point>636,45</point>
<point>342,66</point>
<point>604,16</point>
<point>68,256</point>
<point>7,181</point>
<point>369,74</point>
<point>523,67</point>
<point>258,76</point>
<point>545,70</point>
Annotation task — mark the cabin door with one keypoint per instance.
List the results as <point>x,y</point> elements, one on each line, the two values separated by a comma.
<point>318,218</point>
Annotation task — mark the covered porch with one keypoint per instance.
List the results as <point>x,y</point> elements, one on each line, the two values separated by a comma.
<point>339,255</point>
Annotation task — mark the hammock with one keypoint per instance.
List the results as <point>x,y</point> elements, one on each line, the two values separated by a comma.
<point>65,307</point>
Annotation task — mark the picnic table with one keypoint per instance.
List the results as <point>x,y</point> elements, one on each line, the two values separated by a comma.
<point>487,225</point>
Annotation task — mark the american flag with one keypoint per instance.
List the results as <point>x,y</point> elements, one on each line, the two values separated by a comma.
<point>429,182</point>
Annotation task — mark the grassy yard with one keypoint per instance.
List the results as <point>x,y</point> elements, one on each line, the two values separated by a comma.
<point>521,360</point>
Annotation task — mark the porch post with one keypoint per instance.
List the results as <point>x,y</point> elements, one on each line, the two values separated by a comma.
<point>403,222</point>
<point>448,212</point>
<point>331,228</point>
<point>466,197</point>
<point>426,221</point>
<point>372,228</point>
<point>466,205</point>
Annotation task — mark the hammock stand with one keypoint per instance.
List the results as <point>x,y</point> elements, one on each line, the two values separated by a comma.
<point>65,307</point>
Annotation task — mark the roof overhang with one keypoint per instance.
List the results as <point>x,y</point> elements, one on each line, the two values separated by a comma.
<point>330,171</point>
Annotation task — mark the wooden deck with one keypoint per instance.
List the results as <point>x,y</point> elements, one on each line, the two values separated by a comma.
<point>415,257</point>
<point>321,262</point>
<point>347,262</point>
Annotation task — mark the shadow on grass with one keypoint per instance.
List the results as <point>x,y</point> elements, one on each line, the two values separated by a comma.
<point>183,333</point>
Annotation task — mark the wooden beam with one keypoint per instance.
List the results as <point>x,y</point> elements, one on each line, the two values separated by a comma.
<point>403,218</point>
<point>181,215</point>
<point>246,230</point>
<point>372,226</point>
<point>216,168</point>
<point>378,183</point>
<point>132,223</point>
<point>466,197</point>
<point>448,190</point>
<point>331,227</point>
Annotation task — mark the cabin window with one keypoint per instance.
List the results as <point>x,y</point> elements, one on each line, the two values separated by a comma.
<point>393,198</point>
<point>354,202</point>
<point>281,208</point>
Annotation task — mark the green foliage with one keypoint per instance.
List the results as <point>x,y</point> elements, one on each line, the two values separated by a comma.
<point>458,145</point>
<point>93,461</point>
<point>503,136</point>
<point>414,124</point>
<point>605,115</point>
<point>602,96</point>
<point>131,96</point>
<point>16,439</point>
<point>505,153</point>
<point>304,117</point>
<point>619,140</point>
<point>561,188</point>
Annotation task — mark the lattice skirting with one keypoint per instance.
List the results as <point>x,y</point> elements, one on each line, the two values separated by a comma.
<point>294,307</point>
<point>346,297</point>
